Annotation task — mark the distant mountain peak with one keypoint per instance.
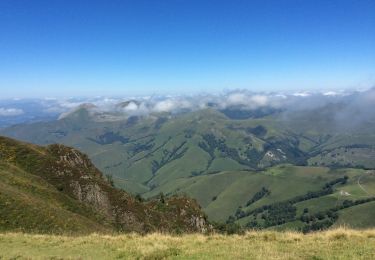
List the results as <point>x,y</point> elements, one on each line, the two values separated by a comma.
<point>85,108</point>
<point>129,104</point>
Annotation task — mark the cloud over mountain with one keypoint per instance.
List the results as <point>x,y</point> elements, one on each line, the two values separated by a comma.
<point>353,104</point>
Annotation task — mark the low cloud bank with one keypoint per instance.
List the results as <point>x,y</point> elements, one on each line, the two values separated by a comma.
<point>10,111</point>
<point>357,104</point>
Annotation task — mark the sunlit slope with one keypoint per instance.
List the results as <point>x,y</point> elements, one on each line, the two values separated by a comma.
<point>332,202</point>
<point>221,194</point>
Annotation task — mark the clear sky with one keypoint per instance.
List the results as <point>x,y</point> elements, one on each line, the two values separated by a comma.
<point>128,47</point>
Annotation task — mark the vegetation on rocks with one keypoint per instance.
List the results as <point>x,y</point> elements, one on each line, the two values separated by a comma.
<point>57,189</point>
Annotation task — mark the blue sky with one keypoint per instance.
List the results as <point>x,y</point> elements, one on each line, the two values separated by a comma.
<point>130,47</point>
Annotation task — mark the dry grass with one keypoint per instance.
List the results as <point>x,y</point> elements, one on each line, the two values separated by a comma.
<point>340,243</point>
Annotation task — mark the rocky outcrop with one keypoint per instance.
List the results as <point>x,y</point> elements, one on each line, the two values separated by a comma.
<point>73,174</point>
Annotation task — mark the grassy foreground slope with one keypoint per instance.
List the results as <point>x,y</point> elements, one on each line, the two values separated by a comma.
<point>334,244</point>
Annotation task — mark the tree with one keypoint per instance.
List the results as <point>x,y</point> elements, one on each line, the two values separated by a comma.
<point>162,197</point>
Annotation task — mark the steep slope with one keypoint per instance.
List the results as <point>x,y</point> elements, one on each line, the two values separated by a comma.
<point>57,189</point>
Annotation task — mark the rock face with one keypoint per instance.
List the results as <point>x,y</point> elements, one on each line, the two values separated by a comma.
<point>199,223</point>
<point>73,174</point>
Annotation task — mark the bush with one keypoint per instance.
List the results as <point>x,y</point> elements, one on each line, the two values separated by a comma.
<point>110,180</point>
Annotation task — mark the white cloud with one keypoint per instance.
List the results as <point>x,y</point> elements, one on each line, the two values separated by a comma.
<point>238,99</point>
<point>246,100</point>
<point>301,94</point>
<point>259,100</point>
<point>331,93</point>
<point>10,111</point>
<point>132,106</point>
<point>172,105</point>
<point>164,106</point>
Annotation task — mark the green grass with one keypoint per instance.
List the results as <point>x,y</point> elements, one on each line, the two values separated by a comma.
<point>334,244</point>
<point>361,216</point>
<point>367,182</point>
<point>194,160</point>
<point>317,205</point>
<point>225,164</point>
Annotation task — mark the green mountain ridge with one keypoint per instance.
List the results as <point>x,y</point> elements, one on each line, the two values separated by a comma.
<point>223,162</point>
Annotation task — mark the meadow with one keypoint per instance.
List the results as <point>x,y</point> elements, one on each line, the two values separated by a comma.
<point>339,243</point>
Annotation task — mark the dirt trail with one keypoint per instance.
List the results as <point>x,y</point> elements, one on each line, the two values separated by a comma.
<point>360,185</point>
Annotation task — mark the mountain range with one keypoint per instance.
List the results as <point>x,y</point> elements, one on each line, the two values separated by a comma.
<point>304,165</point>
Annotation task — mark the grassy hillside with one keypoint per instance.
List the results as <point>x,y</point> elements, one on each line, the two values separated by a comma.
<point>333,244</point>
<point>229,192</point>
<point>56,189</point>
<point>361,216</point>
